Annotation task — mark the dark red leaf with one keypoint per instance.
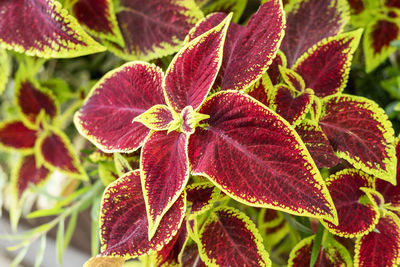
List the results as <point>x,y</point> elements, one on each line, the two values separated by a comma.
<point>15,135</point>
<point>170,255</point>
<point>201,196</point>
<point>356,6</point>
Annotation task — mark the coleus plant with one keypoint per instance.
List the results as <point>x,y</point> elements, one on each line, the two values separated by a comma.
<point>184,131</point>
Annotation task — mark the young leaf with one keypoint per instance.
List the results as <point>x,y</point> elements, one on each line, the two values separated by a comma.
<point>263,164</point>
<point>14,135</point>
<point>310,21</point>
<point>169,21</point>
<point>98,17</point>
<point>28,172</point>
<point>157,118</point>
<point>345,188</point>
<point>228,237</point>
<point>57,153</point>
<point>380,247</point>
<point>164,171</point>
<point>123,220</point>
<point>360,132</point>
<point>249,50</point>
<point>42,28</point>
<point>202,196</point>
<point>193,70</point>
<point>325,67</point>
<point>334,254</point>
<point>119,97</point>
<point>317,144</point>
<point>292,79</point>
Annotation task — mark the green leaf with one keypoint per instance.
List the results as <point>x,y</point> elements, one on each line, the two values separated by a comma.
<point>121,164</point>
<point>4,70</point>
<point>60,241</point>
<point>70,229</point>
<point>40,253</point>
<point>44,213</point>
<point>316,245</point>
<point>296,225</point>
<point>17,260</point>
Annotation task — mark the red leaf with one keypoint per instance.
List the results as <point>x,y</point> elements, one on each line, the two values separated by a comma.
<point>356,6</point>
<point>392,3</point>
<point>32,99</point>
<point>325,67</point>
<point>27,172</point>
<point>263,91</point>
<point>310,21</point>
<point>201,196</point>
<point>255,157</point>
<point>171,254</point>
<point>273,71</point>
<point>248,51</point>
<point>351,203</point>
<point>229,238</point>
<point>56,152</point>
<point>119,97</point>
<point>15,135</point>
<point>332,255</point>
<point>317,144</point>
<point>42,28</point>
<point>360,132</point>
<point>123,220</point>
<point>193,70</point>
<point>164,169</point>
<point>380,247</point>
<point>191,256</point>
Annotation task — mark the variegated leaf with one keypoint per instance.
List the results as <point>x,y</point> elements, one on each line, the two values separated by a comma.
<point>201,197</point>
<point>15,135</point>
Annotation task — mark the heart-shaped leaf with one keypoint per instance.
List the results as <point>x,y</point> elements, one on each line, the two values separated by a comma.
<point>123,220</point>
<point>15,135</point>
<point>351,203</point>
<point>253,155</point>
<point>164,170</point>
<point>119,97</point>
<point>229,238</point>
<point>310,21</point>
<point>42,28</point>
<point>360,132</point>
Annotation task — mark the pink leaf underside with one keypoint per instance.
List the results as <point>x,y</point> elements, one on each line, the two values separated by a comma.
<point>193,70</point>
<point>14,134</point>
<point>32,100</point>
<point>317,144</point>
<point>227,239</point>
<point>273,70</point>
<point>248,50</point>
<point>36,27</point>
<point>123,220</point>
<point>28,172</point>
<point>201,196</point>
<point>169,21</point>
<point>169,255</point>
<point>308,24</point>
<point>331,256</point>
<point>164,169</point>
<point>95,15</point>
<point>254,156</point>
<point>291,108</point>
<point>381,247</point>
<point>359,131</point>
<point>325,68</point>
<point>191,256</point>
<point>58,153</point>
<point>107,114</point>
<point>345,191</point>
<point>382,34</point>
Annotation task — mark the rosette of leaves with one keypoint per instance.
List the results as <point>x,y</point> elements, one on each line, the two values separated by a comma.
<point>45,148</point>
<point>136,29</point>
<point>381,21</point>
<point>245,149</point>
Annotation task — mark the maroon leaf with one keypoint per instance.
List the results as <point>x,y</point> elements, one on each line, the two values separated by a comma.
<point>273,71</point>
<point>325,67</point>
<point>31,99</point>
<point>27,172</point>
<point>380,247</point>
<point>317,144</point>
<point>360,132</point>
<point>310,21</point>
<point>193,70</point>
<point>123,94</point>
<point>15,135</point>
<point>171,254</point>
<point>351,203</point>
<point>164,169</point>
<point>332,255</point>
<point>42,28</point>
<point>229,238</point>
<point>292,108</point>
<point>255,157</point>
<point>191,256</point>
<point>201,196</point>
<point>356,6</point>
<point>292,79</point>
<point>248,51</point>
<point>392,3</point>
<point>56,152</point>
<point>263,91</point>
<point>168,20</point>
<point>123,220</point>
